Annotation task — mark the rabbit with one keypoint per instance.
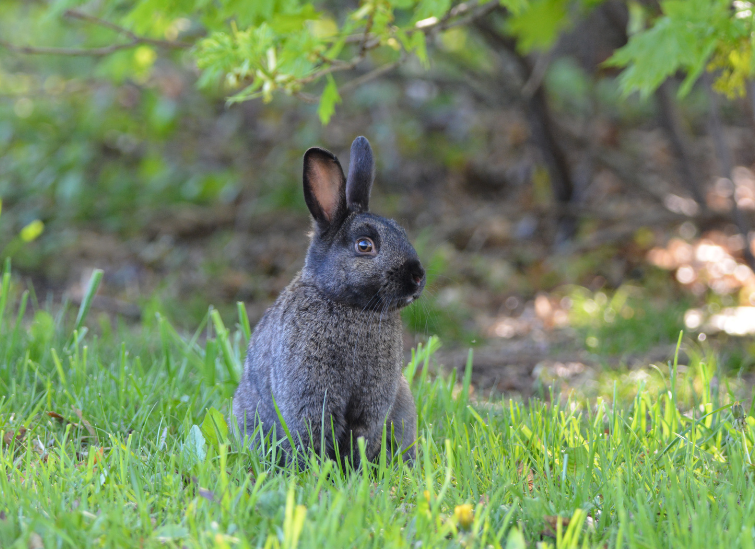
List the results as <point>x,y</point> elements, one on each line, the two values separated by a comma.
<point>329,352</point>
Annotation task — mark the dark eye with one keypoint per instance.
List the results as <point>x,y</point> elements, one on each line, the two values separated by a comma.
<point>364,245</point>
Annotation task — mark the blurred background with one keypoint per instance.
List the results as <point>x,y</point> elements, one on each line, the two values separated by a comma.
<point>570,230</point>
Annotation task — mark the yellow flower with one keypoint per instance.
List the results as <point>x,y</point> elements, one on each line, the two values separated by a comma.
<point>464,515</point>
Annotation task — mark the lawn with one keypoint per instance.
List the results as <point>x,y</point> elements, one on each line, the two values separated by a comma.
<point>117,436</point>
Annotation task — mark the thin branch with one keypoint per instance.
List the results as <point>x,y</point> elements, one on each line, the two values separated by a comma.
<point>93,52</point>
<point>366,34</point>
<point>375,73</point>
<point>461,14</point>
<point>75,14</point>
<point>307,97</point>
<point>134,41</point>
<point>460,11</point>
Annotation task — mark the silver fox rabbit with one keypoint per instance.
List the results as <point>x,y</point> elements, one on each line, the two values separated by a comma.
<point>329,351</point>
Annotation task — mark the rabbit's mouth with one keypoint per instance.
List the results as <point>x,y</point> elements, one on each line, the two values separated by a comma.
<point>412,298</point>
<point>404,301</point>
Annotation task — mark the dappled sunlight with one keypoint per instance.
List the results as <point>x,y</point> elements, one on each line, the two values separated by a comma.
<point>543,313</point>
<point>741,188</point>
<point>738,321</point>
<point>713,262</point>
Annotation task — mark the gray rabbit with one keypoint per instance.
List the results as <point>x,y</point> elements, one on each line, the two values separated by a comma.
<point>329,351</point>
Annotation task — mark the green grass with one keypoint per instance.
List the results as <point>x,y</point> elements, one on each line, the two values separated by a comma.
<point>127,445</point>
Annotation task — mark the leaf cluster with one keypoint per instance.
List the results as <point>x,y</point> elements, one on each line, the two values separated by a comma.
<point>689,36</point>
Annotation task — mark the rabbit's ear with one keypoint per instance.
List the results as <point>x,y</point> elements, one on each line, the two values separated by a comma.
<point>361,175</point>
<point>324,186</point>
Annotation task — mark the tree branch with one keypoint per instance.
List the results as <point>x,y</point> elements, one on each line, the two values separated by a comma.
<point>134,40</point>
<point>93,52</point>
<point>375,73</point>
<point>461,14</point>
<point>75,14</point>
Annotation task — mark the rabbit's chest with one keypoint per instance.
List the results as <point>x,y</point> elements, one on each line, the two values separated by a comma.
<point>352,356</point>
<point>372,378</point>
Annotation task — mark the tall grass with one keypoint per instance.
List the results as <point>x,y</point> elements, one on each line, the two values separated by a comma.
<point>123,440</point>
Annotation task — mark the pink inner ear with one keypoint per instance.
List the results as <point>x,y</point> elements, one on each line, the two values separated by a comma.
<point>325,183</point>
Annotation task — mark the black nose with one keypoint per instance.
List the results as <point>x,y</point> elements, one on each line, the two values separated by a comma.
<point>416,272</point>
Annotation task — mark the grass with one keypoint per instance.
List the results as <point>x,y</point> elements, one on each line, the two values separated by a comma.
<point>121,440</point>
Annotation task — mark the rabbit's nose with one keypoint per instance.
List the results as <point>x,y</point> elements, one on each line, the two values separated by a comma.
<point>416,272</point>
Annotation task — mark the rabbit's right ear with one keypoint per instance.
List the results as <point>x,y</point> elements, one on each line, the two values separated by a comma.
<point>324,186</point>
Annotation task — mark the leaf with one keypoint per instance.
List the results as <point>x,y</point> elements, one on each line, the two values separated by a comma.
<point>31,231</point>
<point>214,428</point>
<point>291,22</point>
<point>539,26</point>
<point>515,6</point>
<point>530,475</point>
<point>431,8</point>
<point>194,449</point>
<point>170,532</point>
<point>328,101</point>
<point>578,459</point>
<point>18,436</point>
<point>551,525</point>
<point>515,540</point>
<point>209,495</point>
<point>684,38</point>
<point>56,415</point>
<point>35,541</point>
<point>418,45</point>
<point>85,423</point>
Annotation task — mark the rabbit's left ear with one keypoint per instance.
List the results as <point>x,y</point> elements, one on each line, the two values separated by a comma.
<point>361,176</point>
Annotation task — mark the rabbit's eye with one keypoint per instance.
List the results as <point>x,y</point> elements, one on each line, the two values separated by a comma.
<point>364,246</point>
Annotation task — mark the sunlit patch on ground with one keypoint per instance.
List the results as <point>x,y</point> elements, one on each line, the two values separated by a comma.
<point>737,321</point>
<point>715,263</point>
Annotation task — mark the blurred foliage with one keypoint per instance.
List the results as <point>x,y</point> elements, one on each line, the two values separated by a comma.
<point>102,125</point>
<point>115,120</point>
<point>689,36</point>
<point>257,49</point>
<point>625,322</point>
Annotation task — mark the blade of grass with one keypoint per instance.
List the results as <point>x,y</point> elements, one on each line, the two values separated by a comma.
<point>86,302</point>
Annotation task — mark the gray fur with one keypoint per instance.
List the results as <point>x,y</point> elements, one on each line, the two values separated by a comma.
<point>329,351</point>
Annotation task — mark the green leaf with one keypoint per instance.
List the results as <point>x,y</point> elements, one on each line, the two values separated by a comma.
<point>515,6</point>
<point>539,26</point>
<point>170,532</point>
<point>418,44</point>
<point>194,449</point>
<point>684,38</point>
<point>214,428</point>
<point>328,101</point>
<point>515,539</point>
<point>291,22</point>
<point>431,8</point>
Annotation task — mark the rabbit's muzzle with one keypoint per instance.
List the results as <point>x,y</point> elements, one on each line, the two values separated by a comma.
<point>408,281</point>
